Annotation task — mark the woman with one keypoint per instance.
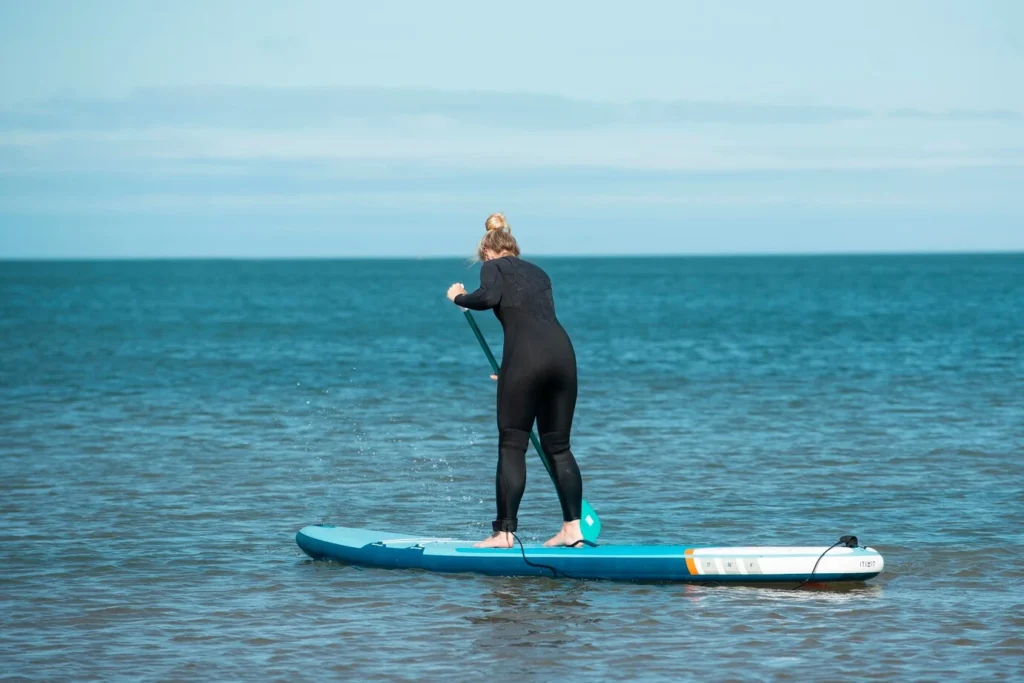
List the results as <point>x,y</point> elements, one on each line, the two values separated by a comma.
<point>537,380</point>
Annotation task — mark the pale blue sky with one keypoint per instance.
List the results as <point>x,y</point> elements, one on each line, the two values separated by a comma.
<point>334,129</point>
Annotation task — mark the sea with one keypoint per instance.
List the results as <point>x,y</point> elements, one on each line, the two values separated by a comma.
<point>166,426</point>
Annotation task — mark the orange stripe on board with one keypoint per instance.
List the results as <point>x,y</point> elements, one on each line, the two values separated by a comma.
<point>690,566</point>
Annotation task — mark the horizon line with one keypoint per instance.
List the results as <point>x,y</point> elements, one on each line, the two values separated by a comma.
<point>639,255</point>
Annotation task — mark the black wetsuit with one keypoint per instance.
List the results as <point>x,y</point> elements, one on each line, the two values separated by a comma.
<point>537,380</point>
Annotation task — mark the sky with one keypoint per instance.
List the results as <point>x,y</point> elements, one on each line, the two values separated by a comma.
<point>332,129</point>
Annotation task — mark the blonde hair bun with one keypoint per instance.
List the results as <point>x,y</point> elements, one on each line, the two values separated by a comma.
<point>498,239</point>
<point>496,221</point>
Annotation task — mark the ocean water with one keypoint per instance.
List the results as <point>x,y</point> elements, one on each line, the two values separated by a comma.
<point>167,426</point>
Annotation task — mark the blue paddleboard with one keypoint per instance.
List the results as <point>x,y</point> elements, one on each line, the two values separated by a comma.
<point>754,564</point>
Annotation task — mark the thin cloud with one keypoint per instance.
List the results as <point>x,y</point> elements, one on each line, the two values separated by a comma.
<point>635,148</point>
<point>299,108</point>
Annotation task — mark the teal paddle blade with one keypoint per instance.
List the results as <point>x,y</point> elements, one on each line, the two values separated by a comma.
<point>590,523</point>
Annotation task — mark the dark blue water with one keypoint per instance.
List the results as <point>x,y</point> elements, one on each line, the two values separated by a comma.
<point>167,427</point>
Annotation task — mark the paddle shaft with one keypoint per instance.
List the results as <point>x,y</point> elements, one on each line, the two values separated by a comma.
<point>494,367</point>
<point>590,523</point>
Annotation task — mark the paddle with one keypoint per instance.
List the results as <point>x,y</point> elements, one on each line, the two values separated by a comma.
<point>590,523</point>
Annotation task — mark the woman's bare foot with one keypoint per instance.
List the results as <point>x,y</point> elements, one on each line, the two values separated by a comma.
<point>499,539</point>
<point>569,535</point>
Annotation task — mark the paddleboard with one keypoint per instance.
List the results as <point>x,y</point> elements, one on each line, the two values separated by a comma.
<point>740,565</point>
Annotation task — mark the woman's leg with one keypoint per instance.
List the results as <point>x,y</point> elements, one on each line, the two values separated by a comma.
<point>555,408</point>
<point>515,420</point>
<point>510,478</point>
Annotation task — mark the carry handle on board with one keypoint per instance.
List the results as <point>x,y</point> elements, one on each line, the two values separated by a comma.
<point>590,523</point>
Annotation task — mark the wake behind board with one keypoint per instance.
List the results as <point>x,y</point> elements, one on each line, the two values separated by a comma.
<point>741,565</point>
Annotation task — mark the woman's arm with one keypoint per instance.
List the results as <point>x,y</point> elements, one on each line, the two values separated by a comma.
<point>488,295</point>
